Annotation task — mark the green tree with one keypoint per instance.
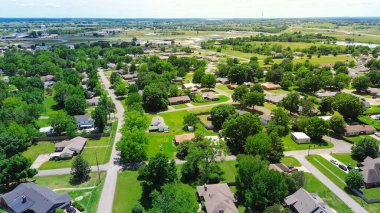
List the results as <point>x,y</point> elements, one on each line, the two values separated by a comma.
<point>120,89</point>
<point>61,91</point>
<point>208,81</point>
<point>15,169</point>
<point>277,208</point>
<point>159,171</point>
<point>295,181</point>
<point>361,83</point>
<point>326,105</point>
<point>366,147</point>
<point>354,179</point>
<point>75,105</point>
<point>137,208</point>
<point>281,118</point>
<point>316,128</point>
<point>239,93</point>
<point>80,170</point>
<point>61,122</point>
<point>221,113</point>
<point>349,106</point>
<point>236,129</point>
<point>198,75</point>
<point>259,144</point>
<point>291,102</point>
<point>154,99</point>
<point>100,117</point>
<point>337,123</point>
<point>190,120</point>
<point>253,98</point>
<point>174,199</point>
<point>268,60</point>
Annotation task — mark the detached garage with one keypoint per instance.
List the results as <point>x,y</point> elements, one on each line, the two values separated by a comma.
<point>300,137</point>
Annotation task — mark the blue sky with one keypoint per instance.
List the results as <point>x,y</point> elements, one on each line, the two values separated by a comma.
<point>188,8</point>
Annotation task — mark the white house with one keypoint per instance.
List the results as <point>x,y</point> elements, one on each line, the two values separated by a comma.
<point>300,137</point>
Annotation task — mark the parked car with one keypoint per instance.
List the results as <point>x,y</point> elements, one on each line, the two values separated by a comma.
<point>334,162</point>
<point>377,134</point>
<point>343,167</point>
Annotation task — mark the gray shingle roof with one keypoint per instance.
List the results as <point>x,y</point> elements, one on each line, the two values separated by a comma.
<point>217,197</point>
<point>304,201</point>
<point>38,198</point>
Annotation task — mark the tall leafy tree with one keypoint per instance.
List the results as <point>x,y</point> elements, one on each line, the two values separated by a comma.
<point>366,147</point>
<point>100,117</point>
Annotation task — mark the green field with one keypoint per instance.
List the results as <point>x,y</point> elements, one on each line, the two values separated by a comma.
<point>50,107</point>
<point>37,149</point>
<point>290,145</point>
<point>222,98</point>
<point>372,110</point>
<point>290,161</point>
<point>370,121</point>
<point>179,106</point>
<point>356,139</point>
<point>128,191</point>
<point>224,88</point>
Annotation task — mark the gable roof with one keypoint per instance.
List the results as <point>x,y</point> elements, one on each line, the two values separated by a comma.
<point>83,118</point>
<point>371,170</point>
<point>303,201</point>
<point>184,137</point>
<point>217,197</point>
<point>36,198</point>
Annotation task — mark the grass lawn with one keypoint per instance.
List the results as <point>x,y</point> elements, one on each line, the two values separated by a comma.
<point>230,171</point>
<point>372,110</point>
<point>90,196</point>
<point>224,88</point>
<point>37,149</point>
<point>290,161</point>
<point>290,145</point>
<point>222,98</point>
<point>269,106</point>
<point>370,121</point>
<point>345,158</point>
<point>164,141</point>
<point>358,138</point>
<point>337,176</point>
<point>128,191</point>
<point>313,185</point>
<point>179,106</point>
<point>277,91</point>
<point>50,107</point>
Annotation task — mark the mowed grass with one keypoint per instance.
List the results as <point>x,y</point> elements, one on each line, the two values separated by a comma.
<point>224,88</point>
<point>179,106</point>
<point>313,185</point>
<point>290,161</point>
<point>356,139</point>
<point>90,197</point>
<point>337,176</point>
<point>222,98</point>
<point>290,145</point>
<point>128,191</point>
<point>163,142</point>
<point>50,108</point>
<point>40,148</point>
<point>345,158</point>
<point>368,120</point>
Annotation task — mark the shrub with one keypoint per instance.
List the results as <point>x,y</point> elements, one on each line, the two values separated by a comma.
<point>79,206</point>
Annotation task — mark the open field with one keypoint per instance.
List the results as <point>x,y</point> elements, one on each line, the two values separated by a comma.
<point>37,149</point>
<point>290,145</point>
<point>50,107</point>
<point>290,161</point>
<point>358,138</point>
<point>222,98</point>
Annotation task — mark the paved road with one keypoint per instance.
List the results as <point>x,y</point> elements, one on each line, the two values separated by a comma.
<point>108,193</point>
<point>335,189</point>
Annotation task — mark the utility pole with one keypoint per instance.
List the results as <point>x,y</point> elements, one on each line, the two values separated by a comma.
<point>97,164</point>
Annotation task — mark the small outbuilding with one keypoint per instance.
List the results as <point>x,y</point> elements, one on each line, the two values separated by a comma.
<point>300,137</point>
<point>184,137</point>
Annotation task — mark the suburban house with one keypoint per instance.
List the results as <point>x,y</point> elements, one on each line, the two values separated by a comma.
<point>325,94</point>
<point>370,168</point>
<point>264,119</point>
<point>302,201</point>
<point>130,77</point>
<point>68,148</point>
<point>179,100</point>
<point>352,130</point>
<point>158,125</point>
<point>184,137</point>
<point>375,92</point>
<point>232,86</point>
<point>178,79</point>
<point>275,98</point>
<point>300,137</point>
<point>111,65</point>
<point>209,96</point>
<point>191,86</point>
<point>270,86</point>
<point>217,198</point>
<point>280,167</point>
<point>47,78</point>
<point>30,197</point>
<point>222,80</point>
<point>357,70</point>
<point>84,121</point>
<point>48,84</point>
<point>93,101</point>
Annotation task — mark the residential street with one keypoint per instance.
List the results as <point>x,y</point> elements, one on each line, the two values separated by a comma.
<point>335,189</point>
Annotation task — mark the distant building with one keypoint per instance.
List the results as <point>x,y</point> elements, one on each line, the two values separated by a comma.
<point>30,197</point>
<point>275,98</point>
<point>270,86</point>
<point>46,130</point>
<point>217,198</point>
<point>370,168</point>
<point>232,86</point>
<point>209,96</point>
<point>222,80</point>
<point>179,100</point>
<point>264,119</point>
<point>280,167</point>
<point>93,101</point>
<point>325,94</point>
<point>352,130</point>
<point>184,137</point>
<point>304,202</point>
<point>300,137</point>
<point>47,78</point>
<point>84,121</point>
<point>375,92</point>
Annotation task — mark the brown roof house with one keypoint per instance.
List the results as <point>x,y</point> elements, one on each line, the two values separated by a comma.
<point>370,169</point>
<point>184,137</point>
<point>209,96</point>
<point>217,198</point>
<point>352,130</point>
<point>222,80</point>
<point>304,202</point>
<point>270,86</point>
<point>275,98</point>
<point>280,167</point>
<point>68,148</point>
<point>179,100</point>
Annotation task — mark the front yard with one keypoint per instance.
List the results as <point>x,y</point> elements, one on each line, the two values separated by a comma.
<point>290,145</point>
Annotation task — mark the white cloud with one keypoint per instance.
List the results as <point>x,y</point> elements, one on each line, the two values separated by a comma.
<point>50,5</point>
